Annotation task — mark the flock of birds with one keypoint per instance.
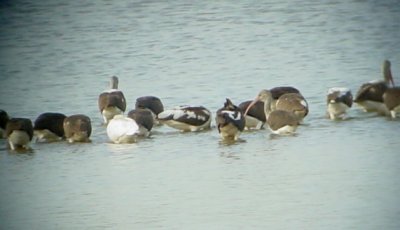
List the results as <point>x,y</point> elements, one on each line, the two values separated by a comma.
<point>282,109</point>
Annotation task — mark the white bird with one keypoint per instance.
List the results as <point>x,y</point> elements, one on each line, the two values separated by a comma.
<point>338,101</point>
<point>186,118</point>
<point>122,130</point>
<point>112,102</point>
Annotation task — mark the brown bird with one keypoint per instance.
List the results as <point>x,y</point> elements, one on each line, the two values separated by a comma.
<point>255,118</point>
<point>370,94</point>
<point>112,102</point>
<point>77,128</point>
<point>230,121</point>
<point>19,133</point>
<point>152,103</point>
<point>277,92</point>
<point>144,119</point>
<point>49,127</point>
<point>294,103</point>
<point>279,121</point>
<point>391,99</point>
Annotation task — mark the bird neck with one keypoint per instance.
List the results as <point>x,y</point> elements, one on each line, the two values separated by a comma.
<point>114,84</point>
<point>267,107</point>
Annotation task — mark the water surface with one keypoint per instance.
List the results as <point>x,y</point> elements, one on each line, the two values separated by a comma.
<point>331,175</point>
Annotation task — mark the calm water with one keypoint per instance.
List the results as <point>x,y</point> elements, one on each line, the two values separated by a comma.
<point>332,175</point>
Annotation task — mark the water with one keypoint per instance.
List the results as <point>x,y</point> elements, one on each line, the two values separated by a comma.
<point>332,175</point>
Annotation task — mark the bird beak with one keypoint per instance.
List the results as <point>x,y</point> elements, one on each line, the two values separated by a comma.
<point>251,104</point>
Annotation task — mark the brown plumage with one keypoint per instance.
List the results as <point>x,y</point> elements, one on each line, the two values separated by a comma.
<point>77,128</point>
<point>279,121</point>
<point>19,133</point>
<point>49,126</point>
<point>150,102</point>
<point>294,103</point>
<point>370,94</point>
<point>277,92</point>
<point>391,99</point>
<point>144,119</point>
<point>111,102</point>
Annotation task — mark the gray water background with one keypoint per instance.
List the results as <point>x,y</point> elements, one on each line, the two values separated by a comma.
<point>59,55</point>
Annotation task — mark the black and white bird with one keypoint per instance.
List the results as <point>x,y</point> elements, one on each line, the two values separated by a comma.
<point>186,118</point>
<point>370,94</point>
<point>112,102</point>
<point>152,103</point>
<point>19,133</point>
<point>144,119</point>
<point>391,99</point>
<point>230,121</point>
<point>122,130</point>
<point>279,121</point>
<point>4,118</point>
<point>49,127</point>
<point>338,101</point>
<point>77,128</point>
<point>255,118</point>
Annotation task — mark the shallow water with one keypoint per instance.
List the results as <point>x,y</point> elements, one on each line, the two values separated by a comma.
<point>330,175</point>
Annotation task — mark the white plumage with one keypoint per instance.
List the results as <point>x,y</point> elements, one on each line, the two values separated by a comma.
<point>122,129</point>
<point>186,118</point>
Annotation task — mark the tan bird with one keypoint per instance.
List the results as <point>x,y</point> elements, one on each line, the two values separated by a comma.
<point>279,121</point>
<point>77,128</point>
<point>294,103</point>
<point>391,99</point>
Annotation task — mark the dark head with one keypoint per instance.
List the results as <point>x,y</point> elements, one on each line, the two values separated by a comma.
<point>4,118</point>
<point>387,73</point>
<point>114,82</point>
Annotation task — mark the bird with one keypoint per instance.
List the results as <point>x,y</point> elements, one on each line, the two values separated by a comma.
<point>370,94</point>
<point>338,100</point>
<point>4,118</point>
<point>391,99</point>
<point>186,118</point>
<point>144,119</point>
<point>294,103</point>
<point>19,133</point>
<point>279,121</point>
<point>49,127</point>
<point>122,130</point>
<point>77,128</point>
<point>112,101</point>
<point>152,103</point>
<point>230,121</point>
<point>255,118</point>
<point>277,92</point>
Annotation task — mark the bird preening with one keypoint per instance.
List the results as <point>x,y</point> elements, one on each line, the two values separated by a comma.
<point>280,109</point>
